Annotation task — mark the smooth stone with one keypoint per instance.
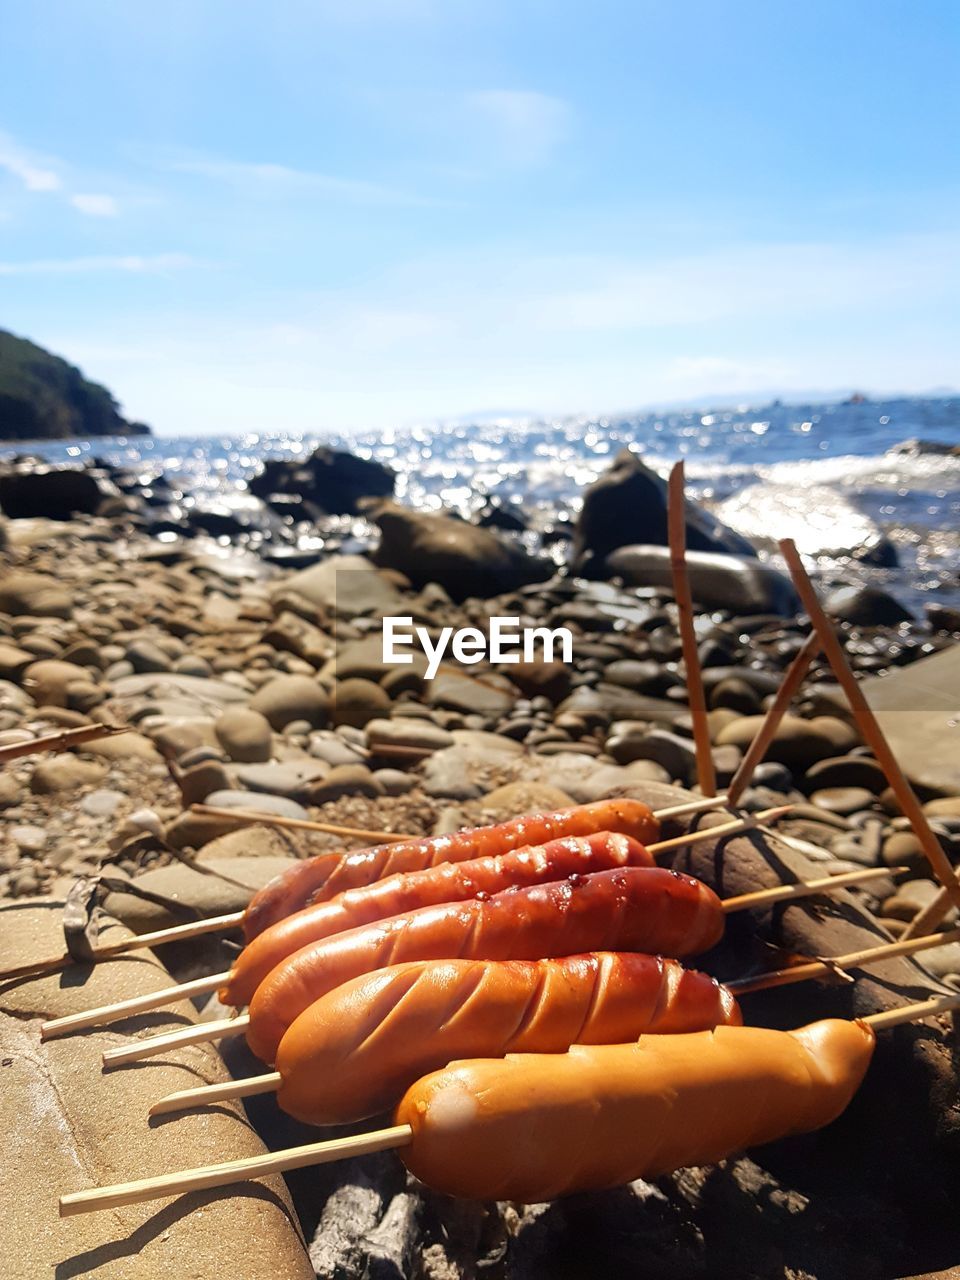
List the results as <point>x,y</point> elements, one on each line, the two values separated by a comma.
<point>394,782</point>
<point>123,746</point>
<point>329,746</point>
<point>445,778</point>
<point>363,658</point>
<point>287,698</point>
<point>847,771</point>
<point>468,694</point>
<point>735,694</point>
<point>945,807</point>
<point>344,780</point>
<point>61,1134</point>
<point>606,702</point>
<point>911,897</point>
<point>28,839</point>
<point>550,680</point>
<point>198,782</point>
<point>843,800</point>
<point>259,802</point>
<point>169,685</point>
<point>282,778</point>
<point>145,656</point>
<point>773,775</point>
<point>347,585</point>
<point>517,798</point>
<point>245,735</point>
<point>864,606</point>
<point>644,676</point>
<point>102,803</point>
<point>209,894</point>
<point>65,773</point>
<point>49,680</point>
<point>357,701</point>
<point>735,582</point>
<point>797,742</point>
<point>902,848</point>
<point>13,661</point>
<point>407,732</point>
<point>34,595</point>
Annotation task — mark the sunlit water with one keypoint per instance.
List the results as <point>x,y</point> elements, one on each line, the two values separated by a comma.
<point>801,454</point>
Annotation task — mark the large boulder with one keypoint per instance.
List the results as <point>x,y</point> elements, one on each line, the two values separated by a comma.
<point>463,559</point>
<point>628,504</point>
<point>68,1125</point>
<point>738,583</point>
<point>55,492</point>
<point>330,479</point>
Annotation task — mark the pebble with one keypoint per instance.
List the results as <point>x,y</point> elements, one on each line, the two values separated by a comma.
<point>245,735</point>
<point>145,656</point>
<point>290,778</point>
<point>842,800</point>
<point>735,694</point>
<point>102,803</point>
<point>407,731</point>
<point>394,782</point>
<point>65,773</point>
<point>261,801</point>
<point>288,698</point>
<point>344,780</point>
<point>28,839</point>
<point>357,701</point>
<point>910,898</point>
<point>197,782</point>
<point>847,771</point>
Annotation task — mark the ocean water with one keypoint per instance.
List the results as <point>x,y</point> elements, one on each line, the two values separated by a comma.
<point>818,472</point>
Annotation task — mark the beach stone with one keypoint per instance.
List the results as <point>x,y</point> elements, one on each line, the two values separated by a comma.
<point>902,848</point>
<point>13,661</point>
<point>208,894</point>
<point>261,801</point>
<point>644,676</point>
<point>739,583</point>
<point>49,681</point>
<point>344,780</point>
<point>146,656</point>
<point>245,735</point>
<point>918,708</point>
<point>364,658</point>
<point>797,742</point>
<point>10,791</point>
<point>178,690</point>
<point>910,897</point>
<point>357,701</point>
<point>51,492</point>
<point>34,595</point>
<point>28,839</point>
<point>290,778</point>
<point>123,746</point>
<point>735,694</point>
<point>865,606</point>
<point>521,797</point>
<point>331,479</point>
<point>288,698</point>
<point>407,731</point>
<point>259,841</point>
<point>102,803</point>
<point>627,505</point>
<point>346,585</point>
<point>847,771</point>
<point>945,807</point>
<point>456,691</point>
<point>550,680</point>
<point>199,781</point>
<point>394,782</point>
<point>64,773</point>
<point>463,559</point>
<point>843,800</point>
<point>329,746</point>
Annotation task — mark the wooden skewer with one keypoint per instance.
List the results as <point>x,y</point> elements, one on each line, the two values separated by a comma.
<point>302,824</point>
<point>226,1028</point>
<point>270,1082</point>
<point>62,741</point>
<point>771,722</point>
<point>127,1008</point>
<point>869,726</point>
<point>852,960</point>
<point>180,932</point>
<point>930,916</point>
<point>398,1135</point>
<point>677,533</point>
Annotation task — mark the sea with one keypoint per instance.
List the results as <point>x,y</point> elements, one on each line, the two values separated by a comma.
<point>825,474</point>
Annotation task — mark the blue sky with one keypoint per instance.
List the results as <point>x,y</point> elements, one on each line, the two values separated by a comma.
<point>313,214</point>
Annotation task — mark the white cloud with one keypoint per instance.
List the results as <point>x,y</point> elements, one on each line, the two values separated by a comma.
<point>526,126</point>
<point>95,206</point>
<point>31,172</point>
<point>136,263</point>
<point>267,177</point>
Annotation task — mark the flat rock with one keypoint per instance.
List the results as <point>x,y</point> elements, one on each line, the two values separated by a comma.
<point>919,711</point>
<point>65,773</point>
<point>291,778</point>
<point>346,585</point>
<point>472,695</point>
<point>168,684</point>
<point>69,1126</point>
<point>717,581</point>
<point>208,894</point>
<point>407,731</point>
<point>260,801</point>
<point>290,697</point>
<point>797,742</point>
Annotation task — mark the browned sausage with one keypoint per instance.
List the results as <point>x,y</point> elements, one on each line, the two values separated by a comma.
<point>321,878</point>
<point>446,882</point>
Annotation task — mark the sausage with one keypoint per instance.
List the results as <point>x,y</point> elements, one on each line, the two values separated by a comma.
<point>446,882</point>
<point>532,1127</point>
<point>631,909</point>
<point>354,1052</point>
<point>321,878</point>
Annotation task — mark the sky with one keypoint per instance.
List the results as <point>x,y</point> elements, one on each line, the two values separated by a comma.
<point>325,214</point>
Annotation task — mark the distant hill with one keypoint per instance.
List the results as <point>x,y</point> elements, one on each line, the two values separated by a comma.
<point>42,397</point>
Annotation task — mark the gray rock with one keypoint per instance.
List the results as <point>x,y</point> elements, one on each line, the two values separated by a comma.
<point>53,492</point>
<point>35,595</point>
<point>461,558</point>
<point>330,479</point>
<point>866,607</point>
<point>346,585</point>
<point>847,771</point>
<point>344,780</point>
<point>919,711</point>
<point>394,782</point>
<point>407,731</point>
<point>288,698</point>
<point>290,778</point>
<point>245,735</point>
<point>65,773</point>
<point>357,701</point>
<point>717,581</point>
<point>145,656</point>
<point>469,694</point>
<point>258,801</point>
<point>102,803</point>
<point>209,894</point>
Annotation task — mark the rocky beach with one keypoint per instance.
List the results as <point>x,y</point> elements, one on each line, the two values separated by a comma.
<point>241,653</point>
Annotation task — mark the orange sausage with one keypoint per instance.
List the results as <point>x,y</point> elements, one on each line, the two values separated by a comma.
<point>532,1127</point>
<point>446,882</point>
<point>631,909</point>
<point>354,1051</point>
<point>319,879</point>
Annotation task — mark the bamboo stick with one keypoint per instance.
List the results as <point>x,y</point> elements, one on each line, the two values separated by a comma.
<point>868,724</point>
<point>233,1171</point>
<point>62,741</point>
<point>806,889</point>
<point>128,1008</point>
<point>771,722</point>
<point>930,916</point>
<point>206,1095</point>
<point>203,1033</point>
<point>301,824</point>
<point>852,960</point>
<point>677,532</point>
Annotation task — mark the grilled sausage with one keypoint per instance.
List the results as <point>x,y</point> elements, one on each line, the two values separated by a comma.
<point>321,878</point>
<point>632,909</point>
<point>355,1051</point>
<point>532,1127</point>
<point>446,882</point>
